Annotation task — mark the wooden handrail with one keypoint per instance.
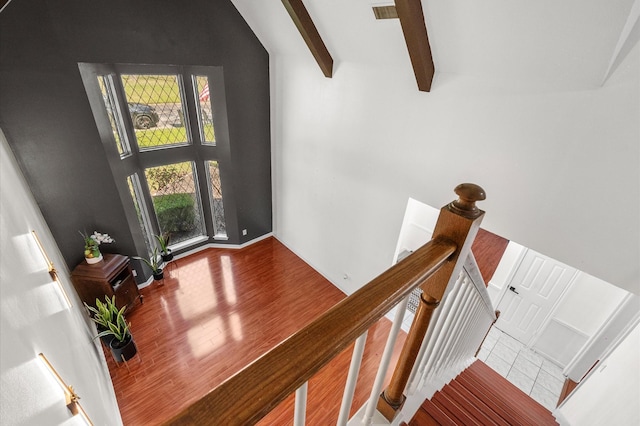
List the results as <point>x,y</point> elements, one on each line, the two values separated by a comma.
<point>253,392</point>
<point>459,221</point>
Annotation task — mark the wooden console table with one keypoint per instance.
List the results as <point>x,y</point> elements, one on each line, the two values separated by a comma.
<point>112,276</point>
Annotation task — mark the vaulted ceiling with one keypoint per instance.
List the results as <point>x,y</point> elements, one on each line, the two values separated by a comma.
<point>549,45</point>
<point>542,90</point>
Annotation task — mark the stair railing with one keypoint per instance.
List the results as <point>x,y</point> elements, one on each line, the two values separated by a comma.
<point>254,391</point>
<point>460,332</point>
<point>458,328</point>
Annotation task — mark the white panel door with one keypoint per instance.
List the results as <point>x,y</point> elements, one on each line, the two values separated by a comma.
<point>532,293</point>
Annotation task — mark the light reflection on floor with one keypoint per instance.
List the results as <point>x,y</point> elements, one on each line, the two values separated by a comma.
<point>216,311</point>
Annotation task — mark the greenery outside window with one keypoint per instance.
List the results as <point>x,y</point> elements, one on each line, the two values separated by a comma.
<point>156,108</point>
<point>167,157</point>
<point>176,200</point>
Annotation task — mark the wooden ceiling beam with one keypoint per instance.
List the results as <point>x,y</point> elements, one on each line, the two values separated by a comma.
<point>305,25</point>
<point>415,35</point>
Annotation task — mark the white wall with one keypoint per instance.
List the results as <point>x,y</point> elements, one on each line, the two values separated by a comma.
<point>561,167</point>
<point>602,340</point>
<point>36,318</point>
<point>349,151</point>
<point>610,394</point>
<point>585,308</point>
<point>588,303</point>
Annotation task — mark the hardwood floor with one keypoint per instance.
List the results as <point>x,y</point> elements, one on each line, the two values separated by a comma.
<point>218,310</point>
<point>488,249</point>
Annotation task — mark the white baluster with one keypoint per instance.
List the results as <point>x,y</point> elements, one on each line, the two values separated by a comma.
<point>384,361</point>
<point>455,316</point>
<point>431,369</point>
<point>352,378</point>
<point>469,327</point>
<point>471,330</point>
<point>300,409</point>
<point>481,334</point>
<point>427,343</point>
<point>461,328</point>
<point>445,310</point>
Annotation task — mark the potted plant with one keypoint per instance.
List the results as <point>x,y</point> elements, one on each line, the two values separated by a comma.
<point>103,314</point>
<point>155,263</point>
<point>122,345</point>
<point>92,245</point>
<point>165,251</point>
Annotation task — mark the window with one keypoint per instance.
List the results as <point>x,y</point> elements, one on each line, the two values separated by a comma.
<point>156,109</point>
<point>205,115</point>
<point>217,205</point>
<point>166,143</point>
<point>105,83</point>
<point>135,189</point>
<point>176,200</point>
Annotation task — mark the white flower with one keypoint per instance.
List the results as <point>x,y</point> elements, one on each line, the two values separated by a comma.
<point>101,238</point>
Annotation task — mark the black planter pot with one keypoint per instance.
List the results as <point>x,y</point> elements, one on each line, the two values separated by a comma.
<point>123,351</point>
<point>168,256</point>
<point>158,275</point>
<point>105,339</point>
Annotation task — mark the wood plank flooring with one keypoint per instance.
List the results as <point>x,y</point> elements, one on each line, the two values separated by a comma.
<point>218,310</point>
<point>488,249</point>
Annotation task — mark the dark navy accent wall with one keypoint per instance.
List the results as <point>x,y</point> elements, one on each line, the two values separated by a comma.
<point>46,117</point>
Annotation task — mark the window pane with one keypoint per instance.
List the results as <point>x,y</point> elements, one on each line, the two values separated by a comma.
<point>157,110</point>
<point>176,201</point>
<point>217,207</point>
<point>143,216</point>
<point>115,118</point>
<point>205,116</point>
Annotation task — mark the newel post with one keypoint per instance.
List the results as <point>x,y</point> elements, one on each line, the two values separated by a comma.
<point>458,222</point>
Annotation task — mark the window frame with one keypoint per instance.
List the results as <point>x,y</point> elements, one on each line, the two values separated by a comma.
<point>195,151</point>
<point>116,111</point>
<point>131,126</point>
<point>144,219</point>
<point>216,235</point>
<point>202,230</point>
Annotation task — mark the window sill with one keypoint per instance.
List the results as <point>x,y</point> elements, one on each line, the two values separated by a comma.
<point>189,243</point>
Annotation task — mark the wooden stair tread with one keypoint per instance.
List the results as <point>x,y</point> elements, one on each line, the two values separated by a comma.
<point>454,409</point>
<point>505,409</point>
<point>437,414</point>
<point>464,395</point>
<point>481,397</point>
<point>509,394</point>
<point>422,418</point>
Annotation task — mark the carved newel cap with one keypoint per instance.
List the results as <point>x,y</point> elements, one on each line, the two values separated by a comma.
<point>465,205</point>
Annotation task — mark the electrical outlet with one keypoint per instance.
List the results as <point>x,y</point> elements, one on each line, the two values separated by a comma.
<point>244,232</point>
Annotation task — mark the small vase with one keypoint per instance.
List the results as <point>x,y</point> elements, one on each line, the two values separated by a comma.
<point>92,260</point>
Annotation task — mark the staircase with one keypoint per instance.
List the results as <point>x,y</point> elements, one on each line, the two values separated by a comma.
<point>453,316</point>
<point>480,396</point>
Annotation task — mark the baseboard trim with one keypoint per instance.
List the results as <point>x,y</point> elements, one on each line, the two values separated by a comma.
<point>210,246</point>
